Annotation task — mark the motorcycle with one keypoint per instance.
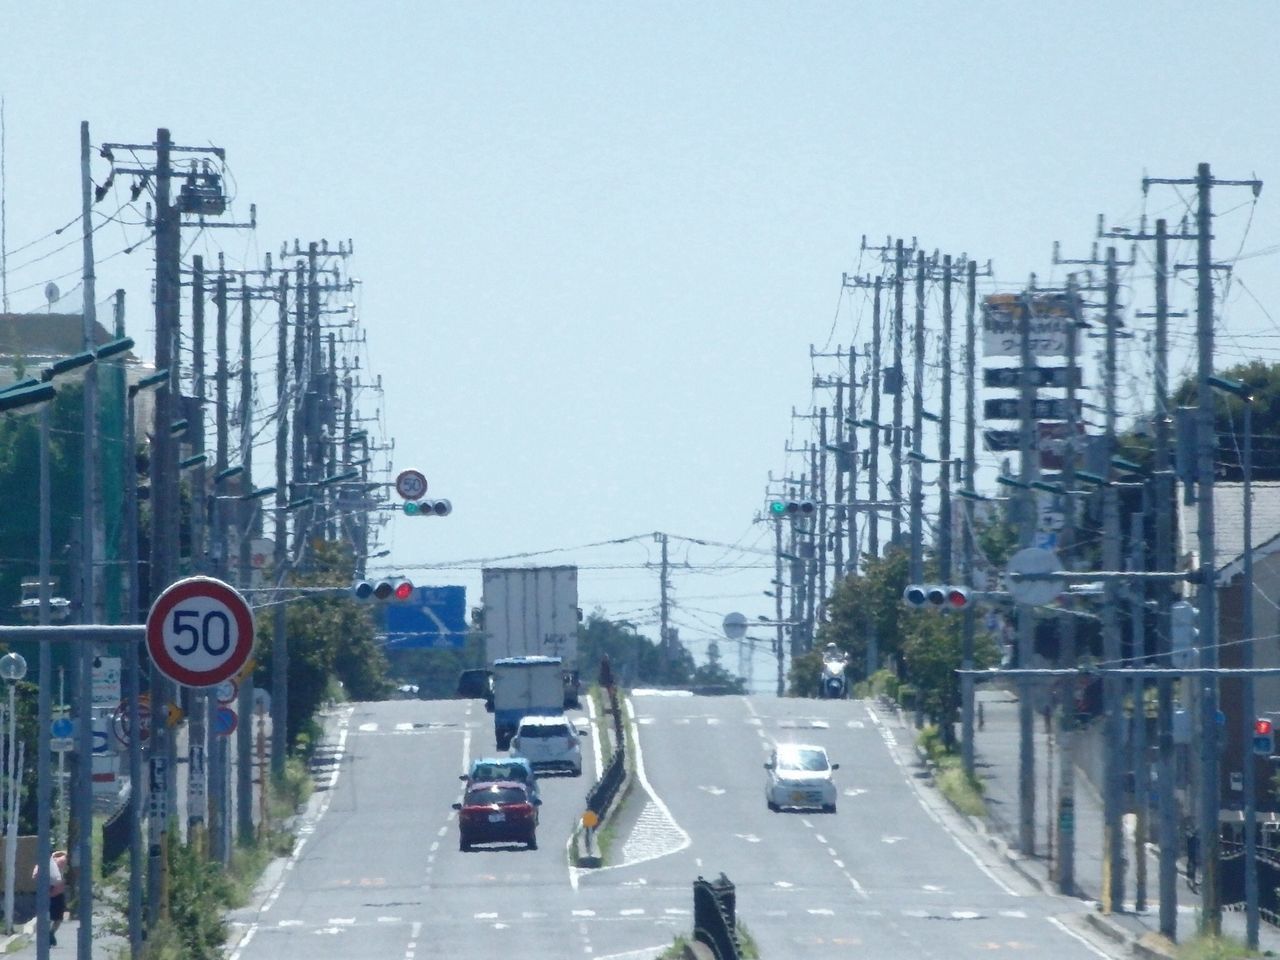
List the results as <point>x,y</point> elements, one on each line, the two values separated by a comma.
<point>834,685</point>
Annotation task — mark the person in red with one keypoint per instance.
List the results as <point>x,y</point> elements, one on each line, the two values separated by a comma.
<point>57,891</point>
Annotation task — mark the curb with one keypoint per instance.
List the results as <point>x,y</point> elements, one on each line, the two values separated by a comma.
<point>587,855</point>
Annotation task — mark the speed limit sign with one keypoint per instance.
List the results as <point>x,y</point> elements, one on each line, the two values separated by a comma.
<point>199,632</point>
<point>411,484</point>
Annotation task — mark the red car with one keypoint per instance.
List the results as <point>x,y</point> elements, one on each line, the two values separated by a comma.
<point>501,812</point>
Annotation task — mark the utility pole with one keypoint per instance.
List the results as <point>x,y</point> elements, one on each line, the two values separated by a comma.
<point>1026,613</point>
<point>820,512</point>
<point>916,574</point>
<point>1113,831</point>
<point>280,556</point>
<point>244,523</point>
<point>664,608</point>
<point>873,476</point>
<point>850,448</point>
<point>780,640</point>
<point>198,782</point>
<point>844,460</point>
<point>966,533</point>
<point>895,484</point>
<point>944,439</point>
<point>1138,725</point>
<point>1206,592</point>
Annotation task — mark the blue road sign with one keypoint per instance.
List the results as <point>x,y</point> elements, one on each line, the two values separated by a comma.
<point>432,617</point>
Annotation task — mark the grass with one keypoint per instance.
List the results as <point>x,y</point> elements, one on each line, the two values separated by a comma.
<point>750,950</point>
<point>1214,948</point>
<point>963,792</point>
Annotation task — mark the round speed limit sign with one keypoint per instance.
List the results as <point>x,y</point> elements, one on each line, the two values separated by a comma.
<point>411,484</point>
<point>199,632</point>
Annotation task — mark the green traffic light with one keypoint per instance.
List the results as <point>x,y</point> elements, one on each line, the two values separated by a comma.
<point>777,507</point>
<point>411,508</point>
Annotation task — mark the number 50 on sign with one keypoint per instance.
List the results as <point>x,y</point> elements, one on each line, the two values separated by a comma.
<point>199,632</point>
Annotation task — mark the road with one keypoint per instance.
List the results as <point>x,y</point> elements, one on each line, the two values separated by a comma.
<point>378,873</point>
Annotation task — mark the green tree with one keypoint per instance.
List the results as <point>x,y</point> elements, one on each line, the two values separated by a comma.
<point>873,597</point>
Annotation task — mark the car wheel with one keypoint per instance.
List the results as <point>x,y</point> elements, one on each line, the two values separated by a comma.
<point>577,771</point>
<point>464,846</point>
<point>773,806</point>
<point>533,843</point>
<point>828,808</point>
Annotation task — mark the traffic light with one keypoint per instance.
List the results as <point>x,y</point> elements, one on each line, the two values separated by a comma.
<point>398,590</point>
<point>938,596</point>
<point>783,508</point>
<point>1183,631</point>
<point>427,508</point>
<point>1264,737</point>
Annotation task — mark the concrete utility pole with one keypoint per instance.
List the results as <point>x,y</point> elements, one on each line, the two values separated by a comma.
<point>844,461</point>
<point>1206,592</point>
<point>966,533</point>
<point>245,524</point>
<point>1138,717</point>
<point>820,508</point>
<point>1026,613</point>
<point>895,484</point>
<point>873,444</point>
<point>197,739</point>
<point>916,507</point>
<point>280,556</point>
<point>850,448</point>
<point>298,457</point>
<point>1113,829</point>
<point>944,439</point>
<point>664,605</point>
<point>780,640</point>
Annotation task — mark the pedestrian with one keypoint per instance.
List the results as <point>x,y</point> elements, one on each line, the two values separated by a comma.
<point>57,891</point>
<point>1193,854</point>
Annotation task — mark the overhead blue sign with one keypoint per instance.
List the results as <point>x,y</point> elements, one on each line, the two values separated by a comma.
<point>432,617</point>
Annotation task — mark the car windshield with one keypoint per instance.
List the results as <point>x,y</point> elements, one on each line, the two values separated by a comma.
<point>544,731</point>
<point>488,795</point>
<point>812,760</point>
<point>500,771</point>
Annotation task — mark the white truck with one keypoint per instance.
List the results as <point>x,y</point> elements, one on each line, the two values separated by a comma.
<point>533,612</point>
<point>524,687</point>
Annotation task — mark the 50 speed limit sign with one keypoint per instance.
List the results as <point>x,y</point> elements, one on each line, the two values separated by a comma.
<point>199,632</point>
<point>411,484</point>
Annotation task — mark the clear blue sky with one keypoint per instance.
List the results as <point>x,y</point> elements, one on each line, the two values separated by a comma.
<point>597,241</point>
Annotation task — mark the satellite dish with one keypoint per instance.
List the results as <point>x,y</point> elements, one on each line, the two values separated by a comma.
<point>52,293</point>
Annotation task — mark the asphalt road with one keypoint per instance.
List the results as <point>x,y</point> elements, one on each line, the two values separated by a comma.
<point>378,873</point>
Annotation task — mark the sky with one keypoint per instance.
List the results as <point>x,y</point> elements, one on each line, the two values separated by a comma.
<point>596,242</point>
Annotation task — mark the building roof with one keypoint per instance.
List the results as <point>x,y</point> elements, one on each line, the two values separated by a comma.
<point>1228,526</point>
<point>46,334</point>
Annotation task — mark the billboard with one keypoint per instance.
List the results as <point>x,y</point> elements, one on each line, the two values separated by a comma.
<point>434,617</point>
<point>1003,316</point>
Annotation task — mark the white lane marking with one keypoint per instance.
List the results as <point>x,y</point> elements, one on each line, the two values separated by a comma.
<point>891,839</point>
<point>633,912</point>
<point>646,692</point>
<point>341,921</point>
<point>712,721</point>
<point>891,742</point>
<point>749,837</point>
<point>645,721</point>
<point>367,727</point>
<point>677,911</point>
<point>1071,933</point>
<point>532,915</point>
<point>304,834</point>
<point>965,914</point>
<point>855,724</point>
<point>821,911</point>
<point>838,862</point>
<point>854,791</point>
<point>289,923</point>
<point>435,845</point>
<point>820,838</point>
<point>389,919</point>
<point>486,916</point>
<point>1014,914</point>
<point>584,913</point>
<point>931,887</point>
<point>783,884</point>
<point>714,791</point>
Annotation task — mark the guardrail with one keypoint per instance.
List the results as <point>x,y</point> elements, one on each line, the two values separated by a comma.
<point>117,832</point>
<point>715,921</point>
<point>605,789</point>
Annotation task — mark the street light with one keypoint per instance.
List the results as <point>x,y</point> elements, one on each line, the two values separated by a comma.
<point>13,667</point>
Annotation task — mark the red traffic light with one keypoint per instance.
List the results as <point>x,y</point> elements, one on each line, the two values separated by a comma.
<point>1262,727</point>
<point>403,590</point>
<point>957,598</point>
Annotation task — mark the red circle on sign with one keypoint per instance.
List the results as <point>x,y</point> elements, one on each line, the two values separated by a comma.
<point>199,632</point>
<point>411,484</point>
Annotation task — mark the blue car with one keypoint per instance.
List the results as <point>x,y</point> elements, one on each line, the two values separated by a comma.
<point>502,769</point>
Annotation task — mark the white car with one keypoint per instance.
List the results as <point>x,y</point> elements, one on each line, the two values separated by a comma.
<point>549,743</point>
<point>799,775</point>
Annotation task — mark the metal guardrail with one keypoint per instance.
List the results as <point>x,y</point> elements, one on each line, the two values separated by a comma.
<point>715,917</point>
<point>117,832</point>
<point>605,789</point>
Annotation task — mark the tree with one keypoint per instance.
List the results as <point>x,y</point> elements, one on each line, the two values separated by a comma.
<point>875,596</point>
<point>712,674</point>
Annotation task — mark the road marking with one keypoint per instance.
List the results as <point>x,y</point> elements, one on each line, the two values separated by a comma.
<point>632,912</point>
<point>405,726</point>
<point>891,839</point>
<point>584,913</point>
<point>435,845</point>
<point>820,838</point>
<point>532,915</point>
<point>389,919</point>
<point>714,791</point>
<point>486,916</point>
<point>821,911</point>
<point>712,721</point>
<point>839,863</point>
<point>677,911</point>
<point>855,724</point>
<point>289,923</point>
<point>783,884</point>
<point>341,921</point>
<point>1014,914</point>
<point>367,727</point>
<point>1071,933</point>
<point>854,791</point>
<point>749,837</point>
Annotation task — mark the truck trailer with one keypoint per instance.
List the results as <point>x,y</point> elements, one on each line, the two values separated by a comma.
<point>533,612</point>
<point>524,687</point>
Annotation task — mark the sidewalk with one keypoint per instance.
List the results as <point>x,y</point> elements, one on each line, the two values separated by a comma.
<point>996,760</point>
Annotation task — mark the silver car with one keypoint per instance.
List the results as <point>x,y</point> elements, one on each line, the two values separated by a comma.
<point>799,775</point>
<point>549,743</point>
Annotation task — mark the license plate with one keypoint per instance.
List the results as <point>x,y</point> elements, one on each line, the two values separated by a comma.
<point>799,796</point>
<point>497,817</point>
